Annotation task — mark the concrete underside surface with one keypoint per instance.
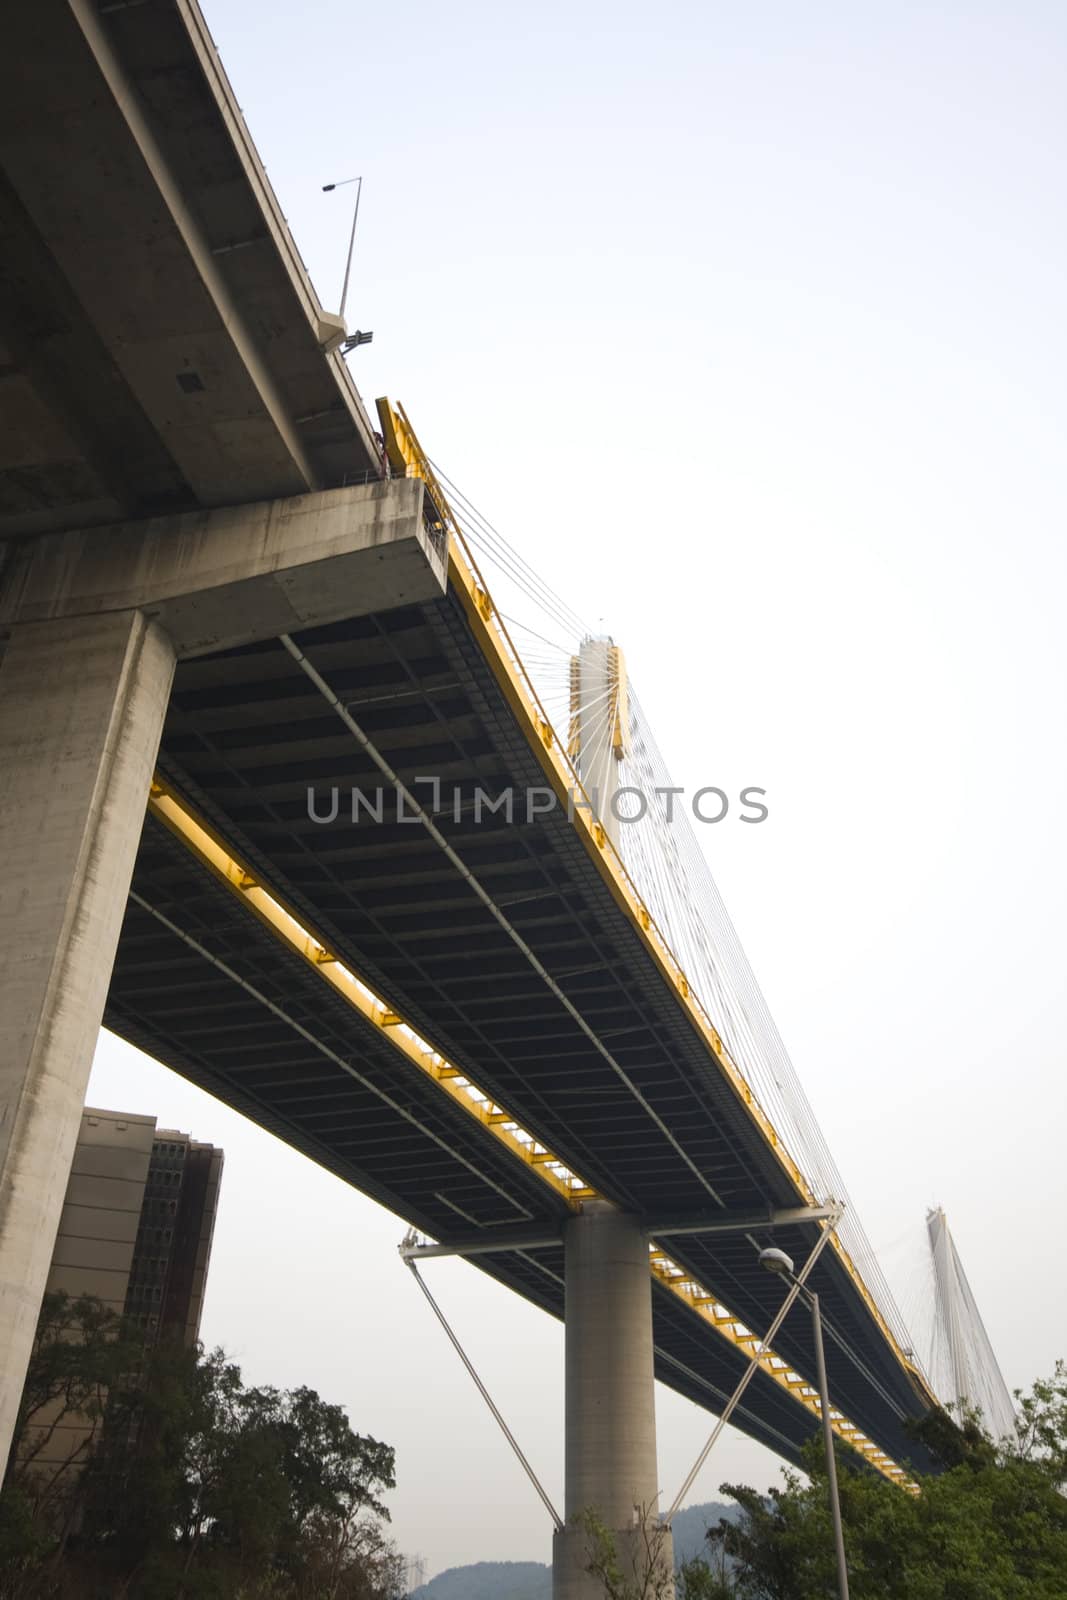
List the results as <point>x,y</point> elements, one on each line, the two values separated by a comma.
<point>163,347</point>
<point>221,578</point>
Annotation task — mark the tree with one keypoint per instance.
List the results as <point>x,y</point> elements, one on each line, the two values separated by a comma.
<point>193,1483</point>
<point>695,1580</point>
<point>1042,1426</point>
<point>81,1352</point>
<point>641,1570</point>
<point>992,1525</point>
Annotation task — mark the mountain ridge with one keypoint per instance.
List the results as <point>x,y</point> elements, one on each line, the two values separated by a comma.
<point>532,1580</point>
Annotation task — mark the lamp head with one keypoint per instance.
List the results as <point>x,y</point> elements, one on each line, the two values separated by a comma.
<point>776,1261</point>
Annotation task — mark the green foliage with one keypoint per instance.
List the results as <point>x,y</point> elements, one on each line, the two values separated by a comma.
<point>695,1580</point>
<point>991,1526</point>
<point>24,1542</point>
<point>81,1353</point>
<point>189,1483</point>
<point>1043,1426</point>
<point>640,1570</point>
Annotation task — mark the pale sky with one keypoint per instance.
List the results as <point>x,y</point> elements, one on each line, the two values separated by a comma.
<point>746,325</point>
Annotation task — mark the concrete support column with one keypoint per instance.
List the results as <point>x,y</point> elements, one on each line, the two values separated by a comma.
<point>82,703</point>
<point>610,1422</point>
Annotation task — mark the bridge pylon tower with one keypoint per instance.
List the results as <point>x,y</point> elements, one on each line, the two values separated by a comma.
<point>611,1468</point>
<point>970,1374</point>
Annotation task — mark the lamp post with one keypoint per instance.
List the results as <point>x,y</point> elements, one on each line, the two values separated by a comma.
<point>778,1262</point>
<point>352,236</point>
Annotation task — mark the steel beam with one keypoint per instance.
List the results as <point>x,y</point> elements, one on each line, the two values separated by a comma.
<point>539,1237</point>
<point>534,1237</point>
<point>741,1222</point>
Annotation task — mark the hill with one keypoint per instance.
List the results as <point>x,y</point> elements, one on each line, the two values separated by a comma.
<point>490,1580</point>
<point>531,1580</point>
<point>691,1524</point>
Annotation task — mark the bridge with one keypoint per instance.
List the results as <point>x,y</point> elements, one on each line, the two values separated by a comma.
<point>284,803</point>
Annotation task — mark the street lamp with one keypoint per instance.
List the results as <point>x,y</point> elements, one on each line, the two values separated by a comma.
<point>326,189</point>
<point>778,1262</point>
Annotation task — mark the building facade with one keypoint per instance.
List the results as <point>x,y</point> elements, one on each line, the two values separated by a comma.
<point>172,1248</point>
<point>135,1233</point>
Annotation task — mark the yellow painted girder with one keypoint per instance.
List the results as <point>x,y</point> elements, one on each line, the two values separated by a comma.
<point>165,805</point>
<point>700,1302</point>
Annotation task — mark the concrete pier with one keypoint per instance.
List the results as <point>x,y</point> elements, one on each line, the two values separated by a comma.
<point>611,1467</point>
<point>82,703</point>
<point>95,619</point>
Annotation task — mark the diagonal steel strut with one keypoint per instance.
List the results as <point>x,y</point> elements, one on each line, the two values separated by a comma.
<point>484,1392</point>
<point>746,1376</point>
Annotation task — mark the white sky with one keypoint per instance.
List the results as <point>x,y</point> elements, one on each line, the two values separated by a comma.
<point>747,326</point>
